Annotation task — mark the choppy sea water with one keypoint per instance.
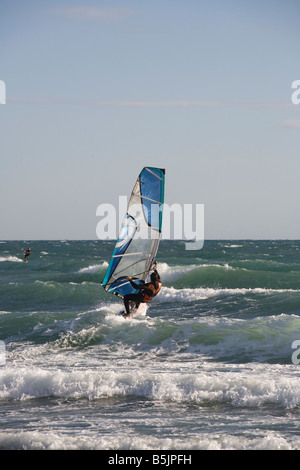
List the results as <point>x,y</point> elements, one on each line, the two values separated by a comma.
<point>214,364</point>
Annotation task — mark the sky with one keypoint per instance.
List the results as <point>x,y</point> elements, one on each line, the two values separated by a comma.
<point>97,90</point>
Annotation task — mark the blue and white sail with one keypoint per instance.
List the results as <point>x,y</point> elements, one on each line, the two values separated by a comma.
<point>140,234</point>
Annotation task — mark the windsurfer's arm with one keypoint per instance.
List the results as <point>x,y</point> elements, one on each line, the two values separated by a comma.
<point>136,286</point>
<point>155,270</point>
<point>141,287</point>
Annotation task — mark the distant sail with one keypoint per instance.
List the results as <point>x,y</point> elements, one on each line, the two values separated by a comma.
<point>140,234</point>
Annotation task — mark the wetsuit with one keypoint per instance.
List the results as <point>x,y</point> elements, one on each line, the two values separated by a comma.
<point>27,254</point>
<point>147,292</point>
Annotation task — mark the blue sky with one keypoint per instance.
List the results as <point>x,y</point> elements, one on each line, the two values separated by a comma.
<point>97,90</point>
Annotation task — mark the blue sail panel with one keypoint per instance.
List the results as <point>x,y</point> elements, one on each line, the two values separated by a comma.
<point>152,193</point>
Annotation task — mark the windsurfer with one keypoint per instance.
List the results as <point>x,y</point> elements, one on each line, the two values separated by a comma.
<point>146,291</point>
<point>27,254</point>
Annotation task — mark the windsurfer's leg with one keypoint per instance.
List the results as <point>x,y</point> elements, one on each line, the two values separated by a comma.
<point>126,304</point>
<point>133,297</point>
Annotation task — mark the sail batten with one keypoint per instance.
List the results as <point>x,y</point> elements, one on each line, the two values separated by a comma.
<point>140,233</point>
<point>130,254</point>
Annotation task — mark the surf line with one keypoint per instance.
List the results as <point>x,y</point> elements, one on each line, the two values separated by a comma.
<point>119,460</point>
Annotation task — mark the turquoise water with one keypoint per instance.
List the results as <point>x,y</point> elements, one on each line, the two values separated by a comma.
<point>210,366</point>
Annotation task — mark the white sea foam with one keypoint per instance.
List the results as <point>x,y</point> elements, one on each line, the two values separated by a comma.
<point>169,294</point>
<point>45,440</point>
<point>13,259</point>
<point>232,246</point>
<point>93,268</point>
<point>253,385</point>
<point>171,273</point>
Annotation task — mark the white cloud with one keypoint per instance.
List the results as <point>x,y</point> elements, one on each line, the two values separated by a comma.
<point>163,104</point>
<point>102,14</point>
<point>292,124</point>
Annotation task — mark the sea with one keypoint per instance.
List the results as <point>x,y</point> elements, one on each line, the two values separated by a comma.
<point>214,364</point>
